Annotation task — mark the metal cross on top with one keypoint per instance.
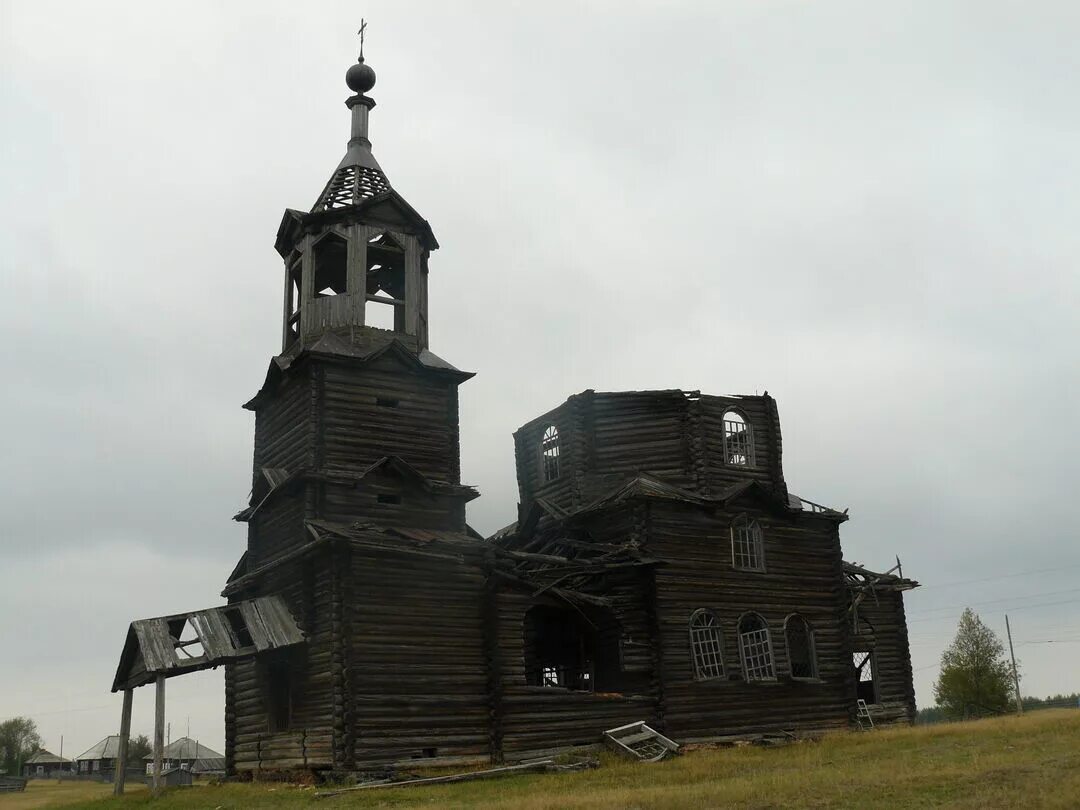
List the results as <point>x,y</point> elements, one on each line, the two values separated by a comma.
<point>363,28</point>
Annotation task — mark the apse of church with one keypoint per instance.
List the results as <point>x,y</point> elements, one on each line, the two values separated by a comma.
<point>659,569</point>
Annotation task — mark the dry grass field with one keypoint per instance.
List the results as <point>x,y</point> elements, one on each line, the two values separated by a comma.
<point>1029,762</point>
<point>49,793</point>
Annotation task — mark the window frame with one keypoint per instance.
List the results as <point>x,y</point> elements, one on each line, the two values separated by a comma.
<point>749,440</point>
<point>749,670</point>
<point>755,544</point>
<point>550,454</point>
<point>811,646</point>
<point>697,643</point>
<point>871,657</point>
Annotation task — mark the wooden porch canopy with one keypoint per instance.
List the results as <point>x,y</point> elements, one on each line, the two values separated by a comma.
<point>167,646</point>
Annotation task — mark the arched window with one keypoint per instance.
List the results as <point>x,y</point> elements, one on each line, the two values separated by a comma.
<point>800,647</point>
<point>549,453</point>
<point>755,649</point>
<point>706,645</point>
<point>738,440</point>
<point>747,547</point>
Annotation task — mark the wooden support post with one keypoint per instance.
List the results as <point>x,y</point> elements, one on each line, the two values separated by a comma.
<point>121,756</point>
<point>1016,678</point>
<point>159,731</point>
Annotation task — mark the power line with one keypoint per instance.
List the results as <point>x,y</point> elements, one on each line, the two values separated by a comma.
<point>996,601</point>
<point>1011,609</point>
<point>1000,576</point>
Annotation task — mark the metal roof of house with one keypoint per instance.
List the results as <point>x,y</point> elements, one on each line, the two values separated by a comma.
<point>158,646</point>
<point>109,748</point>
<point>187,748</point>
<point>43,757</point>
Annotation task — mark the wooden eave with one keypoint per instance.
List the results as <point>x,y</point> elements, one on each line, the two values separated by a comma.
<point>432,486</point>
<point>294,224</point>
<point>341,351</point>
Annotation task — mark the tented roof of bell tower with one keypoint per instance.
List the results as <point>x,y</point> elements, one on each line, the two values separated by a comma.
<point>351,184</point>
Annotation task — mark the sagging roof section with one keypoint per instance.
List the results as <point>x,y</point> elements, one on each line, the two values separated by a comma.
<point>158,646</point>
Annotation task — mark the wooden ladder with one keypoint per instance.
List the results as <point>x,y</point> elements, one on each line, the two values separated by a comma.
<point>863,716</point>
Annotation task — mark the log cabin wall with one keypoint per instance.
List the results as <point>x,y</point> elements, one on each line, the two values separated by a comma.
<point>882,630</point>
<point>608,437</point>
<point>761,414</point>
<point>536,720</point>
<point>419,678</point>
<point>392,501</point>
<point>284,426</point>
<point>384,408</point>
<point>288,725</point>
<point>802,576</point>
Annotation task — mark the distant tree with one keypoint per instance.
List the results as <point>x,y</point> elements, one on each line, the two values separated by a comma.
<point>19,740</point>
<point>975,678</point>
<point>932,714</point>
<point>138,748</point>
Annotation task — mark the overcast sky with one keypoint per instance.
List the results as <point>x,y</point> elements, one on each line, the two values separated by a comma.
<point>868,209</point>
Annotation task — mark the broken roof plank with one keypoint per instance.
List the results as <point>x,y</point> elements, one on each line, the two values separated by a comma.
<point>153,646</point>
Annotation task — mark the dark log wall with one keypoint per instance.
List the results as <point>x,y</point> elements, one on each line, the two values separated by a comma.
<point>384,408</point>
<point>284,427</point>
<point>574,455</point>
<point>882,629</point>
<point>538,719</point>
<point>251,746</point>
<point>277,528</point>
<point>803,575</point>
<point>606,438</point>
<point>760,413</point>
<point>418,676</point>
<point>409,504</point>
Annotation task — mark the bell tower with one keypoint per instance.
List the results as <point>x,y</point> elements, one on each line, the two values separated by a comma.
<point>356,263</point>
<point>357,421</point>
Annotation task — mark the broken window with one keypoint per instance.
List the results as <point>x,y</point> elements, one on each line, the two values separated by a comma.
<point>738,440</point>
<point>330,263</point>
<point>560,648</point>
<point>800,646</point>
<point>747,546</point>
<point>385,284</point>
<point>755,649</point>
<point>706,645</point>
<point>549,453</point>
<point>866,686</point>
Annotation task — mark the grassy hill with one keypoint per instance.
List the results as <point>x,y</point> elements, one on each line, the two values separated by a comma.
<point>1033,761</point>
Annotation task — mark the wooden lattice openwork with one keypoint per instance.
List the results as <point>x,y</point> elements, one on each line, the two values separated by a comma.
<point>800,646</point>
<point>747,546</point>
<point>549,453</point>
<point>738,440</point>
<point>755,649</point>
<point>351,185</point>
<point>706,645</point>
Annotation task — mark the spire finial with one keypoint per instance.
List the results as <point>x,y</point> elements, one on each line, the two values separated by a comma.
<point>360,77</point>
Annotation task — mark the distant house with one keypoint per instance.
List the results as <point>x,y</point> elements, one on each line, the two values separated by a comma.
<point>99,758</point>
<point>44,764</point>
<point>185,754</point>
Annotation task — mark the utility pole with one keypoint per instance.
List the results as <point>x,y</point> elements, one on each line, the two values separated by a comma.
<point>61,763</point>
<point>1016,678</point>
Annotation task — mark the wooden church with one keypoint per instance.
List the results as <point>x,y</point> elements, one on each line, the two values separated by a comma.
<point>659,568</point>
